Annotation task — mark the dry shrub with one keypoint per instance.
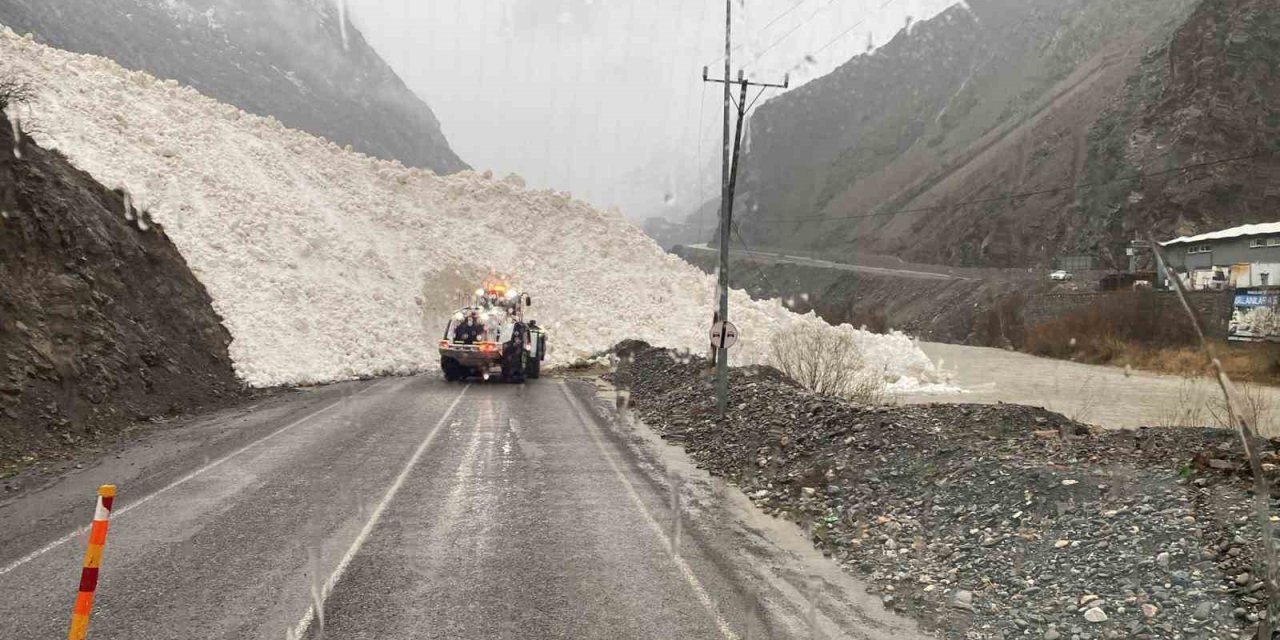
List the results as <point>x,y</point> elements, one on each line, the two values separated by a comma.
<point>1134,329</point>
<point>826,362</point>
<point>1242,361</point>
<point>1255,362</point>
<point>1182,361</point>
<point>1109,330</point>
<point>1194,405</point>
<point>15,92</point>
<point>1253,401</point>
<point>1200,404</point>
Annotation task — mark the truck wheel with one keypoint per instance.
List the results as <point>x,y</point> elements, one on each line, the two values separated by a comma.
<point>453,371</point>
<point>512,369</point>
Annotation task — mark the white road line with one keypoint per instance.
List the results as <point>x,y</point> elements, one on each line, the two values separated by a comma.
<point>685,570</point>
<point>184,479</point>
<point>301,629</point>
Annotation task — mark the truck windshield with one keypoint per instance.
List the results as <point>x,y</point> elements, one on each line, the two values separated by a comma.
<point>492,326</point>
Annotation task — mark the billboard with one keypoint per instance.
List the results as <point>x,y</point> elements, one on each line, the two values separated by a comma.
<point>1255,315</point>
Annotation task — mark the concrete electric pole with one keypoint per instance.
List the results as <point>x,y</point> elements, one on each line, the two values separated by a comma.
<point>729,176</point>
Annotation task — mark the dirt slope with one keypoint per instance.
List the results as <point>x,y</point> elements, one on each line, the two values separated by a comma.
<point>101,322</point>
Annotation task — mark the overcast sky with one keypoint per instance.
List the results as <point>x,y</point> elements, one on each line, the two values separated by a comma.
<point>604,98</point>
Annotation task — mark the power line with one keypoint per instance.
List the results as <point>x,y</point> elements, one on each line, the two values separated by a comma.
<point>792,31</point>
<point>1010,196</point>
<point>780,16</point>
<point>759,267</point>
<point>850,29</point>
<point>829,42</point>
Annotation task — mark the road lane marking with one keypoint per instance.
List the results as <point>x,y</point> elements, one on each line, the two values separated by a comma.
<point>184,479</point>
<point>300,630</point>
<point>685,570</point>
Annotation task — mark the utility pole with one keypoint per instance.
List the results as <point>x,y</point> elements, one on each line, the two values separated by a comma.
<point>729,175</point>
<point>726,202</point>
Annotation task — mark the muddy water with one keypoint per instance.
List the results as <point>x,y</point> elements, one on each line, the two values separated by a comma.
<point>1104,396</point>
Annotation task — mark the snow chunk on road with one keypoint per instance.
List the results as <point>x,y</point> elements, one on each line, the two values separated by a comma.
<point>328,265</point>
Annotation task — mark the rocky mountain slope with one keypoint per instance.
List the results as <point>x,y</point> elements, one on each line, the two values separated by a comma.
<point>101,322</point>
<point>297,60</point>
<point>995,97</point>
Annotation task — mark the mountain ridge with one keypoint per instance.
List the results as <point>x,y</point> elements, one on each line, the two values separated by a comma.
<point>300,61</point>
<point>913,150</point>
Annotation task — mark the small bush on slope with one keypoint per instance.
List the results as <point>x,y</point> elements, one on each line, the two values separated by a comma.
<point>827,363</point>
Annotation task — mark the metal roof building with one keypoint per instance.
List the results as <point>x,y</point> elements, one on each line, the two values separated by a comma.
<point>1243,256</point>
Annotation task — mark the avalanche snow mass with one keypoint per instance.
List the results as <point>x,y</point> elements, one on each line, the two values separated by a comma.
<point>327,265</point>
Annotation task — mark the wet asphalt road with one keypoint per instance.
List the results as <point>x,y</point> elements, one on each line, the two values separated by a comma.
<point>409,508</point>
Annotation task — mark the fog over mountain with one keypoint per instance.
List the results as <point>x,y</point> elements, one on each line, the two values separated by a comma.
<point>297,60</point>
<point>605,99</point>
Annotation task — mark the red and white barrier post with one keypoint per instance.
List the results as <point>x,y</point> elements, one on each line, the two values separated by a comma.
<point>92,560</point>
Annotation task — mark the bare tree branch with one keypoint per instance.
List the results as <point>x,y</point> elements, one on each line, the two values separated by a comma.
<point>15,92</point>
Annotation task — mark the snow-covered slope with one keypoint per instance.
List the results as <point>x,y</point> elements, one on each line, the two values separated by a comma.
<point>327,264</point>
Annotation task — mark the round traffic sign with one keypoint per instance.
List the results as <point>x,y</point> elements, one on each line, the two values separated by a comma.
<point>718,333</point>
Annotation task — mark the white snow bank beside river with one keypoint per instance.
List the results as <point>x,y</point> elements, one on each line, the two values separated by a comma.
<point>328,265</point>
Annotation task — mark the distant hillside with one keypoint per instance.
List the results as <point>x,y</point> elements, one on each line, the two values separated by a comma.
<point>283,58</point>
<point>994,97</point>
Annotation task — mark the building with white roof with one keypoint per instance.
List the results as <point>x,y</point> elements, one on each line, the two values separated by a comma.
<point>1239,257</point>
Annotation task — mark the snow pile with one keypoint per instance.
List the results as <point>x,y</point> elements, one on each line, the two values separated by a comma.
<point>328,265</point>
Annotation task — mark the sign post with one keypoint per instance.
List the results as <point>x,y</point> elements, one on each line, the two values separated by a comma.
<point>724,335</point>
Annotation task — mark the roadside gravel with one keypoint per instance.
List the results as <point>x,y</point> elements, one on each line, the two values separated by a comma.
<point>983,521</point>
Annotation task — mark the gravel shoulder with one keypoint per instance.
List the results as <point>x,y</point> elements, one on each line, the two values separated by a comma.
<point>983,521</point>
<point>797,591</point>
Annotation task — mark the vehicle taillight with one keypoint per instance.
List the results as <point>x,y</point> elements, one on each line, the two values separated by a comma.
<point>444,344</point>
<point>488,346</point>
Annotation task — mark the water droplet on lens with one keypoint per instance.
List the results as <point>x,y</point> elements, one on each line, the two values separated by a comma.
<point>342,24</point>
<point>128,206</point>
<point>17,136</point>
